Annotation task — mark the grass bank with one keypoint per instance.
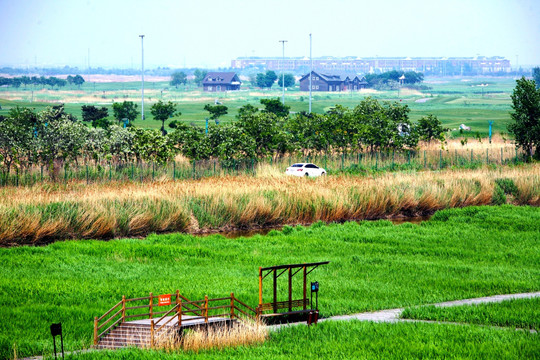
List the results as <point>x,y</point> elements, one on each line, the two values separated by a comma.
<point>48,212</point>
<point>357,340</point>
<point>459,253</point>
<point>518,313</point>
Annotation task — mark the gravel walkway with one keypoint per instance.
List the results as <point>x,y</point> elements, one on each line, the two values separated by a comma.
<point>393,315</point>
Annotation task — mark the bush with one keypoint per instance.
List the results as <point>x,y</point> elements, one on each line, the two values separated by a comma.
<point>508,186</point>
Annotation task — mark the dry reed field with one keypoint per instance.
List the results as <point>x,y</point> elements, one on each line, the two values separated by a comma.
<point>47,212</point>
<point>242,333</point>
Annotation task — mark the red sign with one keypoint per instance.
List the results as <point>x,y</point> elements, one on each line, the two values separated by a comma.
<point>164,300</point>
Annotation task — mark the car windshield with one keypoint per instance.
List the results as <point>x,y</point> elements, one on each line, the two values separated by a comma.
<point>297,165</point>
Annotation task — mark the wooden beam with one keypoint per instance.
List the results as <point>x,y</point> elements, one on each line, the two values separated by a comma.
<point>293,266</point>
<point>281,273</point>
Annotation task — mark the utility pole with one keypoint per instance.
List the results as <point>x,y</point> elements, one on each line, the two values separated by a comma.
<point>310,72</point>
<point>142,76</point>
<point>282,71</point>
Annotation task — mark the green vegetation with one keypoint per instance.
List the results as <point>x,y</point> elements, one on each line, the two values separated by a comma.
<point>453,101</point>
<point>526,116</point>
<point>357,340</point>
<point>459,253</point>
<point>518,313</point>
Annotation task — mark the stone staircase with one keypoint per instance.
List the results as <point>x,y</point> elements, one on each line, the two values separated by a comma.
<point>132,335</point>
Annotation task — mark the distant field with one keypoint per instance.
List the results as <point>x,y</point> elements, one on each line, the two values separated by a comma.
<point>454,101</point>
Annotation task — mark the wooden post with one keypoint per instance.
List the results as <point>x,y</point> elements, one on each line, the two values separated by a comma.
<point>290,289</point>
<point>275,292</point>
<point>95,331</point>
<point>206,308</point>
<point>123,308</point>
<point>305,287</point>
<point>179,313</point>
<point>260,287</point>
<point>151,305</point>
<point>152,334</point>
<point>232,306</point>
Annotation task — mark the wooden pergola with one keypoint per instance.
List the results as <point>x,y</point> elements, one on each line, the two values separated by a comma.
<point>291,270</point>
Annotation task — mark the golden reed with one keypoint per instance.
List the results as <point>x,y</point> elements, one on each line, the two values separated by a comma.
<point>48,212</point>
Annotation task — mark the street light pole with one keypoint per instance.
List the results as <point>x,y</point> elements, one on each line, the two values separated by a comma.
<point>142,76</point>
<point>310,72</point>
<point>283,72</point>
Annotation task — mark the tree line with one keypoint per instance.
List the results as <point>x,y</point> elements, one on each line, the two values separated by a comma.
<point>53,138</point>
<point>41,80</point>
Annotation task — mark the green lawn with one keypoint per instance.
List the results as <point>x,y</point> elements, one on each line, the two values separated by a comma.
<point>459,253</point>
<point>357,340</point>
<point>518,313</point>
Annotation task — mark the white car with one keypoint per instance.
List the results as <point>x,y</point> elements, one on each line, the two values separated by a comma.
<point>305,169</point>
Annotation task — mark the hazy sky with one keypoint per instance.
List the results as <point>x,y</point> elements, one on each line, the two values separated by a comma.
<point>211,33</point>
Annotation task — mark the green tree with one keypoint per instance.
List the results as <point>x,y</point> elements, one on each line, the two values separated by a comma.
<point>162,111</point>
<point>536,76</point>
<point>246,110</point>
<point>96,116</point>
<point>97,144</point>
<point>120,143</point>
<point>151,146</point>
<point>178,78</point>
<point>526,116</point>
<point>78,80</point>
<point>266,80</point>
<point>125,110</point>
<point>289,80</point>
<point>275,106</point>
<point>199,76</point>
<point>191,141</point>
<point>267,131</point>
<point>430,128</point>
<point>216,111</point>
<point>16,137</point>
<point>59,139</point>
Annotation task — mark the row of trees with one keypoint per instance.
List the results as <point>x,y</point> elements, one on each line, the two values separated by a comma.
<point>267,79</point>
<point>371,126</point>
<point>390,78</point>
<point>180,78</point>
<point>43,81</point>
<point>53,138</point>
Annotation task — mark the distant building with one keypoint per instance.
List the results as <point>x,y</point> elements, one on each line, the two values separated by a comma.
<point>339,82</point>
<point>221,81</point>
<point>428,65</point>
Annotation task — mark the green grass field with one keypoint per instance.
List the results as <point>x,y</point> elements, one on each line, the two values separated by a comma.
<point>454,101</point>
<point>518,313</point>
<point>357,340</point>
<point>459,253</point>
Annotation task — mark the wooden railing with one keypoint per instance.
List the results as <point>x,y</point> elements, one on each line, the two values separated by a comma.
<point>290,305</point>
<point>196,310</point>
<point>126,312</point>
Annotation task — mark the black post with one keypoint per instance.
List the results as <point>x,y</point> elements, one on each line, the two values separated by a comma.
<point>54,344</point>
